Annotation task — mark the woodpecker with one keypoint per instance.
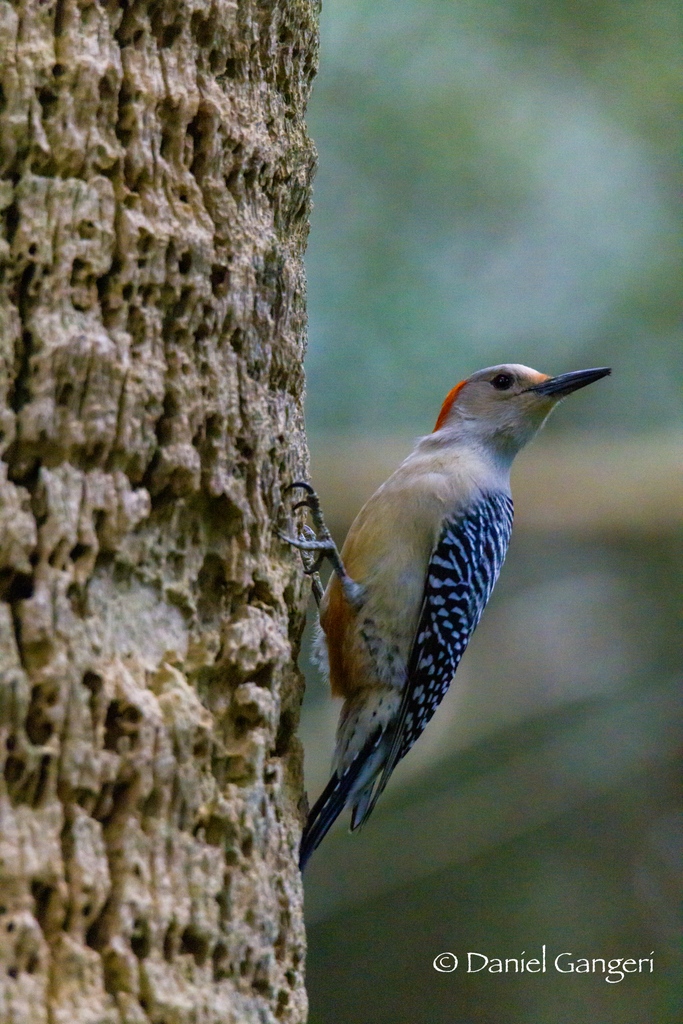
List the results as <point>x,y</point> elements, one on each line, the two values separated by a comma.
<point>414,576</point>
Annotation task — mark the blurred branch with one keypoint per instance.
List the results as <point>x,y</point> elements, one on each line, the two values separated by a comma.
<point>588,484</point>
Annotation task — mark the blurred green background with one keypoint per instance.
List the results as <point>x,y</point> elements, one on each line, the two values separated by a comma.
<point>497,182</point>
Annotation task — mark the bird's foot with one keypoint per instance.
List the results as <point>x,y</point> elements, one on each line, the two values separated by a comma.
<point>311,562</point>
<point>317,545</point>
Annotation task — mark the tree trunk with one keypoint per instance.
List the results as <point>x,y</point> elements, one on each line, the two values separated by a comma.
<point>155,180</point>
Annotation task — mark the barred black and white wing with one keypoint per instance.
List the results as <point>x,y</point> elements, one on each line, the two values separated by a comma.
<point>462,571</point>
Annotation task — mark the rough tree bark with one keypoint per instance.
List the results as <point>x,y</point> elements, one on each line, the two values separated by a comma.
<point>154,182</point>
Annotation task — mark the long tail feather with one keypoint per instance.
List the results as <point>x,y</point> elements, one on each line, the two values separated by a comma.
<point>332,801</point>
<point>325,812</point>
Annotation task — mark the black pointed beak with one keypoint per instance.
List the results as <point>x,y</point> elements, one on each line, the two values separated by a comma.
<point>563,385</point>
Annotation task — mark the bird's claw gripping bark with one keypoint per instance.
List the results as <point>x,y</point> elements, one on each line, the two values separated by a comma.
<point>311,562</point>
<point>320,542</point>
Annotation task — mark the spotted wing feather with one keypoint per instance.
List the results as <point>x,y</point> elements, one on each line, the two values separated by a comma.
<point>462,571</point>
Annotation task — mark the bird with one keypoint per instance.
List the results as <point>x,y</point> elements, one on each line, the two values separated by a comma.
<point>414,575</point>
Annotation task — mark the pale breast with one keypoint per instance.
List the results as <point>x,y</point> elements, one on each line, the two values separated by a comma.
<point>387,550</point>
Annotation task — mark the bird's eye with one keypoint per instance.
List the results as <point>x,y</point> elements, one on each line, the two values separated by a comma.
<point>503,381</point>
